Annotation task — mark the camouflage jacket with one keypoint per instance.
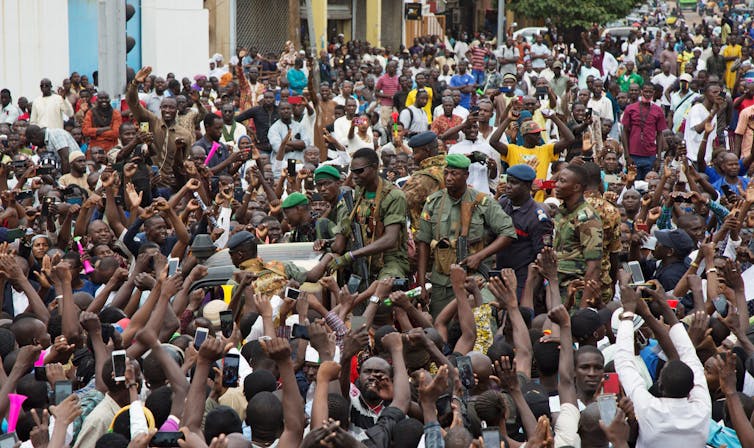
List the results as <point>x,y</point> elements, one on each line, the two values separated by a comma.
<point>428,179</point>
<point>610,217</point>
<point>578,239</point>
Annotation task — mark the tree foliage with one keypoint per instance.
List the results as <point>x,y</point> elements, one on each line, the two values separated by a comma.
<point>568,13</point>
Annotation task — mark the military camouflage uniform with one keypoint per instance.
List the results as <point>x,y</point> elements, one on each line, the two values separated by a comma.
<point>611,244</point>
<point>273,275</point>
<point>578,239</point>
<point>428,179</point>
<point>375,212</point>
<point>441,218</point>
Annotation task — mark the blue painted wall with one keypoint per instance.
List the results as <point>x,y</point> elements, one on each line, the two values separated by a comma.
<point>82,36</point>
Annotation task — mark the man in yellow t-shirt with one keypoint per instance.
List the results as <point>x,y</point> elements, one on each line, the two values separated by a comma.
<point>421,81</point>
<point>545,154</point>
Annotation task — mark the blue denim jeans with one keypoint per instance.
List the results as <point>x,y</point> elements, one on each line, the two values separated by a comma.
<point>478,76</point>
<point>643,165</point>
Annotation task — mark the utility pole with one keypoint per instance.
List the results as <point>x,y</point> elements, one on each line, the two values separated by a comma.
<point>500,22</point>
<point>111,30</point>
<point>294,23</point>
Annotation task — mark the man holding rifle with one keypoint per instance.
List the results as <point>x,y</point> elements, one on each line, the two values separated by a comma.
<point>375,227</point>
<point>453,226</point>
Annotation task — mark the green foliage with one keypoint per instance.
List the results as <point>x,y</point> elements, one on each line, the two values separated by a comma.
<point>568,13</point>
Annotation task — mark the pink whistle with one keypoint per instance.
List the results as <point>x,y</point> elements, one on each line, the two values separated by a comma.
<point>212,152</point>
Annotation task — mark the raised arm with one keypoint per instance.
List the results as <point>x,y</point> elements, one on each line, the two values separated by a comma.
<point>465,314</point>
<point>566,388</point>
<point>132,96</point>
<point>293,405</point>
<point>504,291</point>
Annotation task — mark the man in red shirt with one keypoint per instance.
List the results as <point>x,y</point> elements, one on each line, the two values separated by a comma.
<point>387,86</point>
<point>476,55</point>
<point>643,123</point>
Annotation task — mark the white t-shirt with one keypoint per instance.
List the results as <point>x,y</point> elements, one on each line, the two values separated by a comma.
<point>665,81</point>
<point>602,107</point>
<point>697,114</point>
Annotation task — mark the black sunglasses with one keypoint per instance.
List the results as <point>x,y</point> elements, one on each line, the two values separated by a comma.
<point>359,170</point>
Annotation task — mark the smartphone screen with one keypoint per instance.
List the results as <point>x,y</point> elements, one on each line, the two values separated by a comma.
<point>173,266</point>
<point>119,365</point>
<point>291,167</point>
<point>230,370</point>
<point>491,436</point>
<point>353,283</point>
<point>200,336</point>
<point>166,439</point>
<point>636,274</point>
<point>608,407</point>
<point>226,323</point>
<point>8,440</point>
<point>144,126</point>
<point>62,390</point>
<point>300,332</point>
<point>292,293</point>
<point>721,306</point>
<point>465,371</point>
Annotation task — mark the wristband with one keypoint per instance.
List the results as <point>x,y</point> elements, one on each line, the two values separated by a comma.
<point>711,270</point>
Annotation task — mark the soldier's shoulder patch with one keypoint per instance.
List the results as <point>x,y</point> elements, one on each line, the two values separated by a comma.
<point>425,215</point>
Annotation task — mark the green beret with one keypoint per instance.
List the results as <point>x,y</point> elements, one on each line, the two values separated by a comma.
<point>458,161</point>
<point>326,172</point>
<point>294,199</point>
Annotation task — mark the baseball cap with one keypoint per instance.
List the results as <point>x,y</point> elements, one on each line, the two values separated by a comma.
<point>685,77</point>
<point>676,239</point>
<point>530,127</point>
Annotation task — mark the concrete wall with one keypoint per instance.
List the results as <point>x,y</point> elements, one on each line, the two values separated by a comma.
<point>176,37</point>
<point>33,44</point>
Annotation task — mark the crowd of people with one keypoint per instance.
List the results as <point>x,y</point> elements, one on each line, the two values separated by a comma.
<point>511,242</point>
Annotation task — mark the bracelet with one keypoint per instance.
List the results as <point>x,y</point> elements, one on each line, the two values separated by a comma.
<point>59,297</point>
<point>711,270</point>
<point>694,264</point>
<point>128,386</point>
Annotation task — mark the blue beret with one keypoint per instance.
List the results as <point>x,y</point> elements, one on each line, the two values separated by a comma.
<point>237,239</point>
<point>522,172</point>
<point>424,138</point>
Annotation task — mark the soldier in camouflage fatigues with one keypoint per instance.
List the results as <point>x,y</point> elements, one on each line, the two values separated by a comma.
<point>440,228</point>
<point>380,209</point>
<point>427,179</point>
<point>610,217</point>
<point>578,234</point>
<point>578,239</point>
